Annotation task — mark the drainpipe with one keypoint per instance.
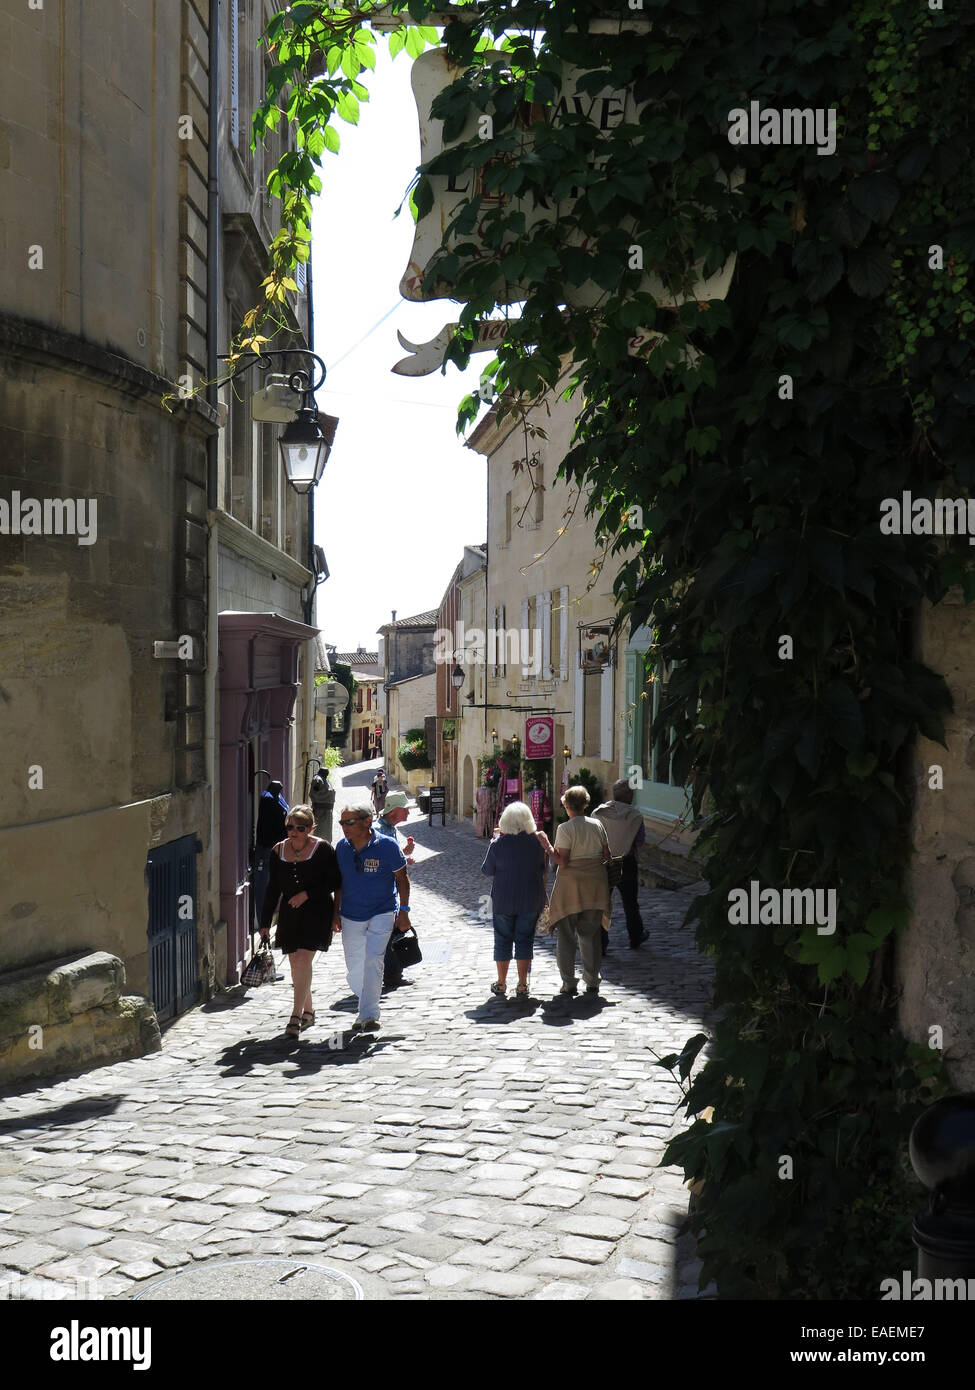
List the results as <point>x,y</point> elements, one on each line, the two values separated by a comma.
<point>308,674</point>
<point>212,329</point>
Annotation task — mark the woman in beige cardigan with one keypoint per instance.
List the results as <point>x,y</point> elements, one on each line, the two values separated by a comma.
<point>580,900</point>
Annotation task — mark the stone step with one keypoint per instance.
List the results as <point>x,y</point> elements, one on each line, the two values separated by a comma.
<point>68,1015</point>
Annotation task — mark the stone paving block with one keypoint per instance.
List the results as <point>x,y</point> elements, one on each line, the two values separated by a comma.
<point>621,1187</point>
<point>139,1269</point>
<point>439,1163</point>
<point>185,1232</point>
<point>620,1291</point>
<point>594,1227</point>
<point>491,1256</point>
<point>554,1197</point>
<point>77,1267</point>
<point>508,1190</point>
<point>593,1252</point>
<point>504,1285</point>
<point>478,1231</point>
<point>374,1262</point>
<point>447,1276</point>
<point>346,1251</point>
<point>28,1255</point>
<point>641,1269</point>
<point>293,1203</point>
<point>240,1196</point>
<point>391,1160</point>
<point>125,1250</point>
<point>563,1291</point>
<point>171,1259</point>
<point>563,1178</point>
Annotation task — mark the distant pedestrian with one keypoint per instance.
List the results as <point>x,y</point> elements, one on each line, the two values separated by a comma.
<point>374,873</point>
<point>580,898</point>
<point>322,797</point>
<point>484,804</point>
<point>626,832</point>
<point>516,862</point>
<point>272,811</point>
<point>380,790</point>
<point>304,874</point>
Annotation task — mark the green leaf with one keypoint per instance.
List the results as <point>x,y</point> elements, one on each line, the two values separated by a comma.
<point>869,271</point>
<point>347,107</point>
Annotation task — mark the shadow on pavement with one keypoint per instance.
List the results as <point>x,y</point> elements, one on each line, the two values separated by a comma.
<point>71,1113</point>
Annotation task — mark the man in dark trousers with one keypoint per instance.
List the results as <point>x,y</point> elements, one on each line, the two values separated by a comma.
<point>397,810</point>
<point>626,832</point>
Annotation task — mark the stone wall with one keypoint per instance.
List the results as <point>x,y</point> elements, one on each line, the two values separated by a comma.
<point>69,1015</point>
<point>936,955</point>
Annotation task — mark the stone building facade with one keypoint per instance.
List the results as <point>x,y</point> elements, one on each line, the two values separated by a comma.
<point>131,527</point>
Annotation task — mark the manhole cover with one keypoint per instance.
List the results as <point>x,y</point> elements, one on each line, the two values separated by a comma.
<point>253,1279</point>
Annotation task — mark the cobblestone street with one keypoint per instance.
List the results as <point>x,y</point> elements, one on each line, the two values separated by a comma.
<point>476,1148</point>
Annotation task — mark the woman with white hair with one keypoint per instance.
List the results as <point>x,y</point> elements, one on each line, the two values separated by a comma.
<point>516,860</point>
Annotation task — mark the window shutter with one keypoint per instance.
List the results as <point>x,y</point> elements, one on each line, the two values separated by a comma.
<point>523,640</point>
<point>579,712</point>
<point>607,712</point>
<point>543,611</point>
<point>564,632</point>
<point>503,639</point>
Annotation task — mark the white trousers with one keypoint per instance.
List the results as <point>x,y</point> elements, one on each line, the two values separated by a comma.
<point>364,944</point>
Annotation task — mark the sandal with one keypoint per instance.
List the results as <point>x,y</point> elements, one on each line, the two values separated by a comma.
<point>499,989</point>
<point>294,1026</point>
<point>308,1014</point>
<point>522,991</point>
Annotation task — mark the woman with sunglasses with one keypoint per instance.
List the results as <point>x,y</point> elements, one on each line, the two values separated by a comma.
<point>304,875</point>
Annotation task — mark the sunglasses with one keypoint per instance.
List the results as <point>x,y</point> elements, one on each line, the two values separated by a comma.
<point>290,826</point>
<point>354,821</point>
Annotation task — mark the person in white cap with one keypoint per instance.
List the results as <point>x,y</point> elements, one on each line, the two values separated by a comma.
<point>397,810</point>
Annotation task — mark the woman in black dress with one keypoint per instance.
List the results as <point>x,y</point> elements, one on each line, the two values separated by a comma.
<point>304,873</point>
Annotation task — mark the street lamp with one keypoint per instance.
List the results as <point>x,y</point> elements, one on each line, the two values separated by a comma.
<point>457,676</point>
<point>566,751</point>
<point>305,446</point>
<point>494,735</point>
<point>308,438</point>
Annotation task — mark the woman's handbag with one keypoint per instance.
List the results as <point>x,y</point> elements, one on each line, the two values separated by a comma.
<point>614,871</point>
<point>406,948</point>
<point>260,969</point>
<point>543,927</point>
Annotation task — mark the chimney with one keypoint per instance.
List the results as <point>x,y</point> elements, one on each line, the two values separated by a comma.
<point>394,615</point>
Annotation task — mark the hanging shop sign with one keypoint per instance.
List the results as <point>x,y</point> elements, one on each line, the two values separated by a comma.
<point>540,736</point>
<point>595,647</point>
<point>607,109</point>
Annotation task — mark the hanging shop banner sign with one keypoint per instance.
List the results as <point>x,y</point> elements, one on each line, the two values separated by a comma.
<point>428,357</point>
<point>540,736</point>
<point>607,109</point>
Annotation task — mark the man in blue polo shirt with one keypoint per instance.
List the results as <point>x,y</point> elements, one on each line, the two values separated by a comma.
<point>373,873</point>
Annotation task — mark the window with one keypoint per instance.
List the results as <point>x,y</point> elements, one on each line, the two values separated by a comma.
<point>239,460</point>
<point>268,495</point>
<point>507,518</point>
<point>655,753</point>
<point>358,700</point>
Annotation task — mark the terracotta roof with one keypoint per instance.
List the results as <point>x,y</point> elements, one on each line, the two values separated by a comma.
<point>428,619</point>
<point>359,658</point>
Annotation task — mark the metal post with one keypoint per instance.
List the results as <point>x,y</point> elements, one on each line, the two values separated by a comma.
<point>942,1149</point>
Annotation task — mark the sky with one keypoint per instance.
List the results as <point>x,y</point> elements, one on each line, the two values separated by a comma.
<point>401,496</point>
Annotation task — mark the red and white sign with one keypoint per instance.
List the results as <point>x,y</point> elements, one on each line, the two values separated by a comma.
<point>540,736</point>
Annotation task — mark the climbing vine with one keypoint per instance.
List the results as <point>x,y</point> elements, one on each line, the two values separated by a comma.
<point>739,466</point>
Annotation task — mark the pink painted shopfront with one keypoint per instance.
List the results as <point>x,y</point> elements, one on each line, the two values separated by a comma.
<point>259,675</point>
